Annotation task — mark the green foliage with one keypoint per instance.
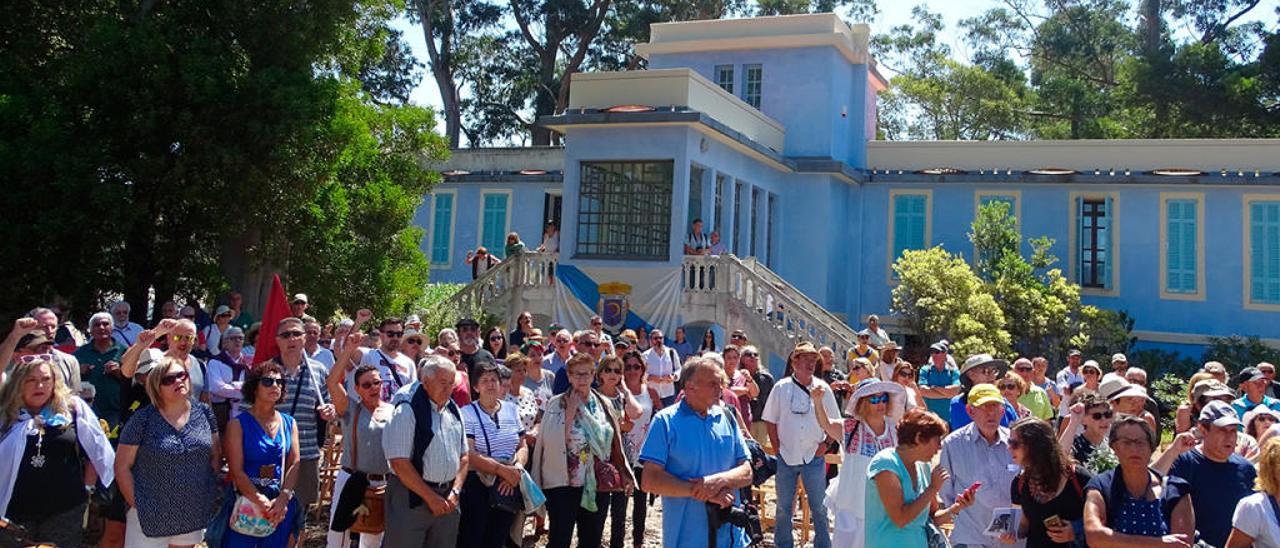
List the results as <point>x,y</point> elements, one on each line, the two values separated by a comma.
<point>435,310</point>
<point>1103,332</point>
<point>1237,352</point>
<point>183,148</point>
<point>1160,363</point>
<point>939,296</point>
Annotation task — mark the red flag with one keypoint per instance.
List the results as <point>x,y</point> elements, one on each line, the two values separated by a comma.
<point>276,309</point>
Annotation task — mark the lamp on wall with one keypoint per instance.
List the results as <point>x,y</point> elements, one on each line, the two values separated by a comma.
<point>1177,172</point>
<point>456,173</point>
<point>1052,171</point>
<point>630,108</point>
<point>533,172</point>
<point>941,171</point>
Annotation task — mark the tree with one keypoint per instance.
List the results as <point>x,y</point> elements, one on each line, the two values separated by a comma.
<point>938,296</point>
<point>552,28</point>
<point>184,148</point>
<point>452,29</point>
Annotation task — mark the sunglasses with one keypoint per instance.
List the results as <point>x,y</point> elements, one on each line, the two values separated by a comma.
<point>272,382</point>
<point>393,334</point>
<point>738,337</point>
<point>368,385</point>
<point>496,338</point>
<point>1008,387</point>
<point>36,358</point>
<point>635,367</point>
<point>878,398</point>
<point>174,378</point>
<point>613,370</point>
<point>417,342</point>
<point>1104,415</point>
<point>749,354</point>
<point>289,335</point>
<point>180,338</point>
<point>1022,368</point>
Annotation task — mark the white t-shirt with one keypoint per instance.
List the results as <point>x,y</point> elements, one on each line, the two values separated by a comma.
<point>392,380</point>
<point>791,408</point>
<point>1255,517</point>
<point>662,364</point>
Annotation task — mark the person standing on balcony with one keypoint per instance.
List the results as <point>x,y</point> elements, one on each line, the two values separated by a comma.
<point>718,247</point>
<point>515,245</point>
<point>481,261</point>
<point>550,239</point>
<point>697,242</point>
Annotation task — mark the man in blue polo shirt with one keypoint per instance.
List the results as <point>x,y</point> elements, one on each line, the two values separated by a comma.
<point>939,382</point>
<point>1253,390</point>
<point>695,455</point>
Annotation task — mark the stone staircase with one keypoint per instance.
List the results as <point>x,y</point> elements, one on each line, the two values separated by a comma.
<point>724,290</point>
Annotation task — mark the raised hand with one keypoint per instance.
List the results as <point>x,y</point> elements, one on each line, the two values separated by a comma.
<point>24,326</point>
<point>817,392</point>
<point>363,315</point>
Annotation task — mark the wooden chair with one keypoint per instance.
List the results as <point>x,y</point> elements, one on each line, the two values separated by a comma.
<point>330,463</point>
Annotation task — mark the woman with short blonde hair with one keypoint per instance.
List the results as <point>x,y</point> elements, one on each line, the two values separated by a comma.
<point>1254,522</point>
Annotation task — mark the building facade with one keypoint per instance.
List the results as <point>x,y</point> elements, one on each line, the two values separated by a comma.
<point>765,129</point>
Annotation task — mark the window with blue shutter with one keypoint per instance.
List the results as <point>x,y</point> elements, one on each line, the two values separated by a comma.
<point>1011,200</point>
<point>441,228</point>
<point>1180,246</point>
<point>493,235</point>
<point>909,217</point>
<point>1264,251</point>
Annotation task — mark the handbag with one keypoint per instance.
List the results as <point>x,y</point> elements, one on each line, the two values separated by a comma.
<point>246,518</point>
<point>607,476</point>
<point>512,502</point>
<point>361,507</point>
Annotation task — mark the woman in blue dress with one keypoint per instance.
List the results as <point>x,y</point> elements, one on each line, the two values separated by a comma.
<point>262,451</point>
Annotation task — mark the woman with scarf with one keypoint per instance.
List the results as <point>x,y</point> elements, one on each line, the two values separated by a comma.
<point>874,410</point>
<point>44,431</point>
<point>579,458</point>
<point>364,416</point>
<point>226,376</point>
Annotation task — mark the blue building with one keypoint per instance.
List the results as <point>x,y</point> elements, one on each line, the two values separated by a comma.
<point>764,128</point>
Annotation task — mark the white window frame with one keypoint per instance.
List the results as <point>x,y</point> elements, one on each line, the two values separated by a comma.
<point>719,82</point>
<point>1247,220</point>
<point>746,84</point>
<point>1165,198</point>
<point>480,218</point>
<point>453,229</point>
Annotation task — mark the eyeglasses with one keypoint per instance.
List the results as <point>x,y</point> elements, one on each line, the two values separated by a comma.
<point>878,398</point>
<point>1009,386</point>
<point>35,358</point>
<point>581,375</point>
<point>613,370</point>
<point>496,338</point>
<point>749,354</point>
<point>633,366</point>
<point>1130,442</point>
<point>1103,415</point>
<point>181,338</point>
<point>236,338</point>
<point>1022,368</point>
<point>272,382</point>
<point>289,334</point>
<point>370,384</point>
<point>393,334</point>
<point>173,378</point>
<point>417,342</point>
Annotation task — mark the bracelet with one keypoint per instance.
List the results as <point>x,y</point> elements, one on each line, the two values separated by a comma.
<point>454,492</point>
<point>287,492</point>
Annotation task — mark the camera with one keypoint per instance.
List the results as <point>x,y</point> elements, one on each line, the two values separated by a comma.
<point>746,517</point>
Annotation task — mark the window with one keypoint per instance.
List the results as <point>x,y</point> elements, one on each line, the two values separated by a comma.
<point>624,210</point>
<point>1094,233</point>
<point>442,229</point>
<point>738,197</point>
<point>1262,255</point>
<point>724,77</point>
<point>1181,261</point>
<point>909,223</point>
<point>983,197</point>
<point>495,222</point>
<point>770,227</point>
<point>753,76</point>
<point>718,221</point>
<point>551,207</point>
<point>755,219</point>
<point>695,197</point>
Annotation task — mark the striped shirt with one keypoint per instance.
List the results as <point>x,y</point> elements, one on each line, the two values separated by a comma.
<point>443,457</point>
<point>497,440</point>
<point>304,392</point>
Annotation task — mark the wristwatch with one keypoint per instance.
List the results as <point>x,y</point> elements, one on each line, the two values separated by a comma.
<point>287,492</point>
<point>454,492</point>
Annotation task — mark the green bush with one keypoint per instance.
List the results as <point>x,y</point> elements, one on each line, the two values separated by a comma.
<point>1158,363</point>
<point>1170,389</point>
<point>1237,352</point>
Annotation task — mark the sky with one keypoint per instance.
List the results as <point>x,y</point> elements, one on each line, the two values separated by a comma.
<point>892,13</point>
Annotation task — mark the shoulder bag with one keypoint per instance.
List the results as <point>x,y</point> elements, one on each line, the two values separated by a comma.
<point>514,502</point>
<point>246,518</point>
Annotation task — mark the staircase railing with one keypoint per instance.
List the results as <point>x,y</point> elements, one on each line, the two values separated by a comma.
<point>529,269</point>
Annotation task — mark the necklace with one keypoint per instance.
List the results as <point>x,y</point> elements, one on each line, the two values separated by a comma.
<point>37,460</point>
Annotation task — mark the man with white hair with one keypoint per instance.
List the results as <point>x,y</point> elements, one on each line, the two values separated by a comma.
<point>48,323</point>
<point>124,331</point>
<point>426,446</point>
<point>101,359</point>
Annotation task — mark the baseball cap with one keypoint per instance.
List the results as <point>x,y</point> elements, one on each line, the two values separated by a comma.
<point>300,298</point>
<point>222,309</point>
<point>466,322</point>
<point>983,394</point>
<point>1219,413</point>
<point>938,347</point>
<point>1073,352</point>
<point>1118,357</point>
<point>1211,388</point>
<point>1249,374</point>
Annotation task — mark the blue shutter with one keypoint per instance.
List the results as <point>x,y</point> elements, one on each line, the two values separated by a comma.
<point>1079,250</point>
<point>494,224</point>
<point>1264,242</point>
<point>1108,223</point>
<point>1181,246</point>
<point>908,223</point>
<point>440,230</point>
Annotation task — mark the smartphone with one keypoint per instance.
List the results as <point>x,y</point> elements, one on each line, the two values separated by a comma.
<point>1054,521</point>
<point>973,488</point>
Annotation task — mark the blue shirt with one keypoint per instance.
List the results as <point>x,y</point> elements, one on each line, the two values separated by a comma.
<point>1212,484</point>
<point>880,530</point>
<point>960,415</point>
<point>172,469</point>
<point>1242,405</point>
<point>689,446</point>
<point>931,376</point>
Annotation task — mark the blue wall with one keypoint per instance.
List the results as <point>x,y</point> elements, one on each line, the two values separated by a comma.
<point>525,210</point>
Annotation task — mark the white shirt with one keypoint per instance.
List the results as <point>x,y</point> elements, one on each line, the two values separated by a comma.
<point>1255,517</point>
<point>213,338</point>
<point>790,407</point>
<point>392,380</point>
<point>443,456</point>
<point>224,385</point>
<point>322,355</point>
<point>126,335</point>
<point>661,364</point>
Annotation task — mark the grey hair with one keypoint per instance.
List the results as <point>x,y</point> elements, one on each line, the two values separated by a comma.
<point>125,304</point>
<point>40,311</point>
<point>715,357</point>
<point>100,316</point>
<point>1136,370</point>
<point>431,364</point>
<point>711,364</point>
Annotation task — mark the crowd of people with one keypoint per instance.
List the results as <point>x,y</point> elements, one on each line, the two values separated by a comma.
<point>182,433</point>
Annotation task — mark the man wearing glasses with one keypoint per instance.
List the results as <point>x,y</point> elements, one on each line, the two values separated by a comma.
<point>562,350</point>
<point>180,335</point>
<point>597,326</point>
<point>1036,399</point>
<point>586,342</point>
<point>306,399</point>
<point>472,351</point>
<point>395,368</point>
<point>939,382</point>
<point>800,442</point>
<point>664,367</point>
<point>978,452</point>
